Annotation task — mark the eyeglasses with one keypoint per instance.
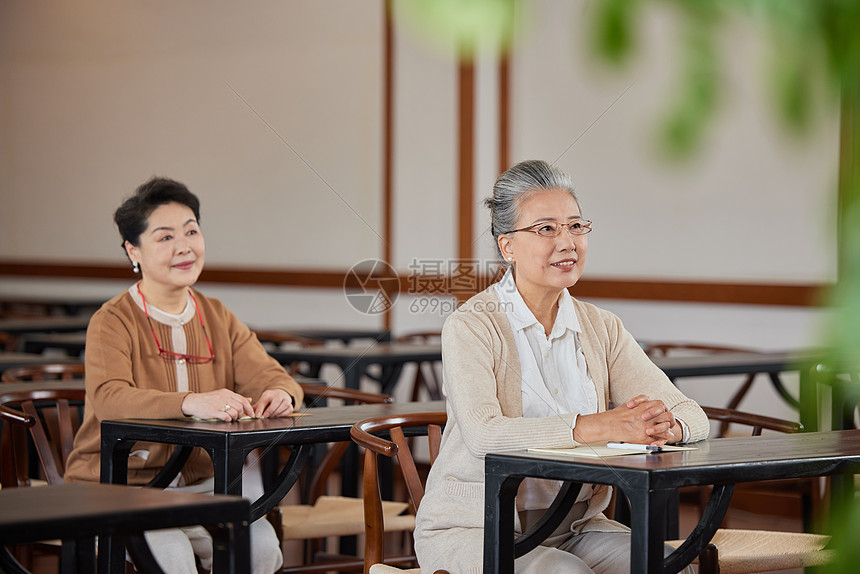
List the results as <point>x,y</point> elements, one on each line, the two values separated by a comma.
<point>552,229</point>
<point>170,355</point>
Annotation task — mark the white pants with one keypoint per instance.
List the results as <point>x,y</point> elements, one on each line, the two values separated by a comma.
<point>587,553</point>
<point>175,548</point>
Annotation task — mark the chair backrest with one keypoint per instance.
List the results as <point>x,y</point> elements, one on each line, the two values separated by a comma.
<point>370,434</point>
<point>331,460</point>
<point>45,372</point>
<point>52,418</point>
<point>756,422</point>
<point>663,349</point>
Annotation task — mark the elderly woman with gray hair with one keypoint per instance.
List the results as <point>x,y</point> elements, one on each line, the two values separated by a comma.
<point>526,365</point>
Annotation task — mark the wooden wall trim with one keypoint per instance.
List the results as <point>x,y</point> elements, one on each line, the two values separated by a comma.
<point>466,159</point>
<point>795,295</point>
<point>387,133</point>
<point>802,295</point>
<point>387,142</point>
<point>504,112</point>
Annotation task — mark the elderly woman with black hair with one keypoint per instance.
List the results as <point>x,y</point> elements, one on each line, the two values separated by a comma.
<point>163,350</point>
<point>526,365</point>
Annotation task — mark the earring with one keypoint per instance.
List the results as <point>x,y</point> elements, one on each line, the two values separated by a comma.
<point>134,267</point>
<point>510,259</point>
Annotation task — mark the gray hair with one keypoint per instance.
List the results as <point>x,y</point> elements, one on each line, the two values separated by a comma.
<point>513,186</point>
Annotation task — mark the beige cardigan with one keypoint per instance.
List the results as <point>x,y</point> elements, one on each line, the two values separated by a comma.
<point>484,403</point>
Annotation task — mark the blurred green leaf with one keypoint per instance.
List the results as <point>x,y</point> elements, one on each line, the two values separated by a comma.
<point>697,93</point>
<point>612,32</point>
<point>465,25</point>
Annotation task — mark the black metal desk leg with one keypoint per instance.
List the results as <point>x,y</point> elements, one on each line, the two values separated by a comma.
<point>228,470</point>
<point>114,470</point>
<point>500,491</point>
<point>231,546</point>
<point>648,524</point>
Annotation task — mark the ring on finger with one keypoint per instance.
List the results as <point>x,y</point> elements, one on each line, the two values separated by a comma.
<point>227,408</point>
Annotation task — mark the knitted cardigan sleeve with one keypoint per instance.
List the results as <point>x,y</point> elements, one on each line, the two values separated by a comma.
<point>482,384</point>
<point>622,370</point>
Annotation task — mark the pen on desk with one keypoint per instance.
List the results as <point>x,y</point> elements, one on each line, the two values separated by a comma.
<point>634,446</point>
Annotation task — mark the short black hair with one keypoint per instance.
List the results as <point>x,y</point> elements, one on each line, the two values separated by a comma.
<point>132,216</point>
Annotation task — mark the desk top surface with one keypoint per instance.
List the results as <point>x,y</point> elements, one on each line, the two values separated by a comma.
<point>709,364</point>
<point>44,324</point>
<point>322,424</point>
<point>7,389</point>
<point>9,360</point>
<point>90,508</point>
<point>335,333</point>
<point>367,353</point>
<point>737,459</point>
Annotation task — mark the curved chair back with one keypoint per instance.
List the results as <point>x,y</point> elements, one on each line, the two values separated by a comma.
<point>51,420</point>
<point>311,520</point>
<point>371,435</point>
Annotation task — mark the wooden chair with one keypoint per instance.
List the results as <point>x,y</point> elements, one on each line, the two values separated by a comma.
<point>320,515</point>
<point>428,376</point>
<point>366,434</point>
<point>45,372</point>
<point>745,551</point>
<point>51,419</point>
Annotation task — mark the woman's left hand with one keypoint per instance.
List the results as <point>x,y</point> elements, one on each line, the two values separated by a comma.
<point>663,428</point>
<point>274,403</point>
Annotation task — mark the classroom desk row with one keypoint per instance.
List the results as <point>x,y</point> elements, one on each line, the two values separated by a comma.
<point>354,362</point>
<point>648,480</point>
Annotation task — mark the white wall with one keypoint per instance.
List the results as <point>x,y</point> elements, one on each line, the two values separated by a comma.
<point>269,110</point>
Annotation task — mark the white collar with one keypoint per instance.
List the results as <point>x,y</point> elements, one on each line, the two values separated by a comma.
<point>162,316</point>
<point>521,317</point>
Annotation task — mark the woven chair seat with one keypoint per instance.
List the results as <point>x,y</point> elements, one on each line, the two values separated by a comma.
<point>383,569</point>
<point>339,516</point>
<point>747,551</point>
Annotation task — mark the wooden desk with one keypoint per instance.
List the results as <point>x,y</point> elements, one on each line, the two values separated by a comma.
<point>73,344</point>
<point>229,443</point>
<point>80,512</point>
<point>50,305</point>
<point>60,324</point>
<point>771,363</point>
<point>8,389</point>
<point>345,336</point>
<point>354,360</point>
<point>9,360</point>
<point>649,480</point>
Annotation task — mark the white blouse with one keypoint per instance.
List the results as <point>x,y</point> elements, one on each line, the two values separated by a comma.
<point>554,375</point>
